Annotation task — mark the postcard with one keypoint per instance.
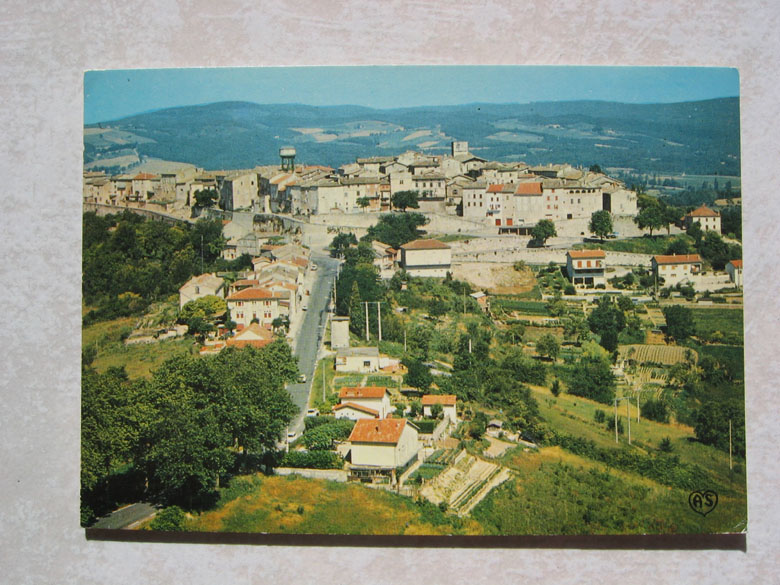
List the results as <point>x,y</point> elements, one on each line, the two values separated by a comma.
<point>413,301</point>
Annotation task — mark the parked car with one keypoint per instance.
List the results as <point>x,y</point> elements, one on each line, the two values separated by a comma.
<point>312,412</point>
<point>314,267</point>
<point>301,378</point>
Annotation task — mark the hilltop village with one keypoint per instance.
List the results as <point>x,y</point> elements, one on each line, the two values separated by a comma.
<point>443,329</point>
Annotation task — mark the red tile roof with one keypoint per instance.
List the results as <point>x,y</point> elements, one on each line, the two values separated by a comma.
<point>251,294</point>
<point>497,188</point>
<point>736,263</point>
<point>445,399</point>
<point>425,245</point>
<point>529,189</point>
<point>587,253</point>
<point>258,343</point>
<point>677,259</point>
<point>386,430</point>
<point>704,211</point>
<point>358,407</point>
<point>144,176</point>
<point>362,392</point>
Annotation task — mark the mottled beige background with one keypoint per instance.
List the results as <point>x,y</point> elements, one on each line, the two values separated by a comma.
<point>44,48</point>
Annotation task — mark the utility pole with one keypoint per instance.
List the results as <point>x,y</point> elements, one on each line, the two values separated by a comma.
<point>201,253</point>
<point>628,417</point>
<point>404,338</point>
<point>323,381</point>
<point>368,334</point>
<point>616,421</point>
<point>379,318</point>
<point>637,407</point>
<point>469,344</point>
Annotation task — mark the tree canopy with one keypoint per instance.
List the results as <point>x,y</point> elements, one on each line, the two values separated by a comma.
<point>543,231</point>
<point>396,229</point>
<point>679,322</point>
<point>601,223</point>
<point>405,199</point>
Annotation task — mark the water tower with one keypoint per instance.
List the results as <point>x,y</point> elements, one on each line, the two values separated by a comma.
<point>287,154</point>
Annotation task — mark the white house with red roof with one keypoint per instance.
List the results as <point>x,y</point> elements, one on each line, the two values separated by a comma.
<point>254,303</point>
<point>734,270</point>
<point>707,218</point>
<point>384,444</point>
<point>427,258</point>
<point>447,402</point>
<point>674,268</point>
<point>374,398</point>
<point>252,336</point>
<point>586,267</point>
<point>354,411</point>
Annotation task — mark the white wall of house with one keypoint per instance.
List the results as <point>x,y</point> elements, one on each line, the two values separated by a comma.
<point>387,454</point>
<point>264,310</point>
<point>352,413</point>
<point>735,274</point>
<point>429,262</point>
<point>674,273</point>
<point>448,411</point>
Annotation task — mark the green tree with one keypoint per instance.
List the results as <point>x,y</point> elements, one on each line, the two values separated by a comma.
<point>548,346</point>
<point>419,375</point>
<point>606,317</point>
<point>656,410</point>
<point>593,378</point>
<point>679,322</point>
<point>575,326</point>
<point>678,246</point>
<point>601,223</point>
<point>594,168</point>
<point>405,199</point>
<point>396,229</point>
<point>363,202</point>
<point>651,217</point>
<point>666,445</point>
<point>555,389</point>
<point>694,230</point>
<point>543,231</point>
<point>625,304</point>
<point>437,411</point>
<point>340,243</point>
<point>357,318</point>
<point>609,340</point>
<point>206,198</point>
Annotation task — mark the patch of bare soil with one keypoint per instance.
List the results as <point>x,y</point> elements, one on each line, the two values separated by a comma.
<point>495,278</point>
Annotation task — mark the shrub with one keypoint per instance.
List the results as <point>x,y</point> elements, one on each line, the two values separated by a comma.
<point>570,290</point>
<point>599,416</point>
<point>556,387</point>
<point>312,460</point>
<point>170,519</point>
<point>666,445</point>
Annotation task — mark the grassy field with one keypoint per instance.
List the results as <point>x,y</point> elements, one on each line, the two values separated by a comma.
<point>556,492</point>
<point>731,356</point>
<point>526,307</point>
<point>728,321</point>
<point>574,415</point>
<point>139,360</point>
<point>296,505</point>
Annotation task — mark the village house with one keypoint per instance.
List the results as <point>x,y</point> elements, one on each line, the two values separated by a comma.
<point>357,359</point>
<point>201,286</point>
<point>586,267</point>
<point>354,411</point>
<point>239,190</point>
<point>447,402</point>
<point>427,258</point>
<point>375,398</point>
<point>252,336</point>
<point>734,270</point>
<point>385,258</point>
<point>380,447</point>
<point>675,268</point>
<point>255,303</point>
<point>708,219</point>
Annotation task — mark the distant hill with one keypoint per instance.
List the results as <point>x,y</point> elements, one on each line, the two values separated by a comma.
<point>692,137</point>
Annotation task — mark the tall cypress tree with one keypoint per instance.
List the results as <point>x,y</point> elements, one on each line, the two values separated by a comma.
<point>357,317</point>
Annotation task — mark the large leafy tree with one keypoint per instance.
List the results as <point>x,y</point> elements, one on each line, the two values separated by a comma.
<point>601,223</point>
<point>679,322</point>
<point>650,218</point>
<point>405,199</point>
<point>593,378</point>
<point>396,229</point>
<point>342,242</point>
<point>543,231</point>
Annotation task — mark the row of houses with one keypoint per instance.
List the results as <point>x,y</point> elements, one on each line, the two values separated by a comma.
<point>271,293</point>
<point>380,444</point>
<point>501,194</point>
<point>588,268</point>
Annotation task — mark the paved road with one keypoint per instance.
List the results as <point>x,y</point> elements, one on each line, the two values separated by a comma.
<point>311,333</point>
<point>126,516</point>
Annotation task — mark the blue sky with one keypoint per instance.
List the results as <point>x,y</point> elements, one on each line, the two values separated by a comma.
<point>109,95</point>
